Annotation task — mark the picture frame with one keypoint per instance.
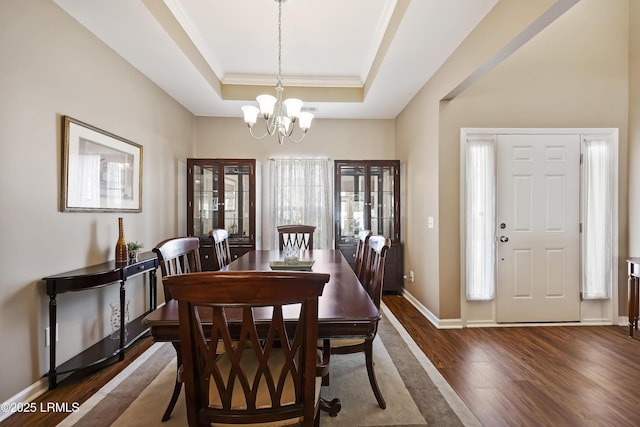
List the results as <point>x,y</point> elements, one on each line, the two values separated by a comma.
<point>101,172</point>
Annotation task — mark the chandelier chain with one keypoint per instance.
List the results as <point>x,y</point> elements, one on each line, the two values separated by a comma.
<point>279,41</point>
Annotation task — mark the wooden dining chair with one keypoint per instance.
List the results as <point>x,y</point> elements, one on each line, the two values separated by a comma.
<point>178,255</point>
<point>267,373</point>
<point>220,239</point>
<point>373,279</point>
<point>361,252</point>
<point>298,235</point>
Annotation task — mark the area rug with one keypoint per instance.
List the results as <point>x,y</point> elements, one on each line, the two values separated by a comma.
<point>416,393</point>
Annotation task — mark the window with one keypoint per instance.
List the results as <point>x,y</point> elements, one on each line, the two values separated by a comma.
<point>480,218</point>
<point>301,193</point>
<point>597,230</point>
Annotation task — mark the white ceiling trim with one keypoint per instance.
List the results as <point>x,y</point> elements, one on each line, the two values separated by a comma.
<point>183,19</point>
<point>270,80</point>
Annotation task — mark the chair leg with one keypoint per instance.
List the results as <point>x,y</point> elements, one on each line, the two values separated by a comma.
<point>177,387</point>
<point>368,355</point>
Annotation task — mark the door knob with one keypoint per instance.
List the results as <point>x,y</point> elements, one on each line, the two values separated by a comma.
<point>504,239</point>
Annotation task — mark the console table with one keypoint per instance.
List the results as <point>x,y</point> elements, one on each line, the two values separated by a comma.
<point>93,277</point>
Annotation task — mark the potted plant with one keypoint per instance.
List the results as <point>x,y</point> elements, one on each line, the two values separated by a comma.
<point>133,248</point>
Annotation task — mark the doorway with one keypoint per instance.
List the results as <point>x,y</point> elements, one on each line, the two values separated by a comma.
<point>534,247</point>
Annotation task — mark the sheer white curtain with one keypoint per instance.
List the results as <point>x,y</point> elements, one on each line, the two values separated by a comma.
<point>597,233</point>
<point>480,218</point>
<point>301,192</point>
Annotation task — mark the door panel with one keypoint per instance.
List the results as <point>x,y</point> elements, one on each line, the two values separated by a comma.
<point>538,217</point>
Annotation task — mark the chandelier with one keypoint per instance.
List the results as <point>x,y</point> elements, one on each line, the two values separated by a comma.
<point>272,108</point>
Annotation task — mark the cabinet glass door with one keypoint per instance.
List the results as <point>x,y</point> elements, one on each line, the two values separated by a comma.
<point>206,200</point>
<point>352,202</point>
<point>382,200</point>
<point>237,202</point>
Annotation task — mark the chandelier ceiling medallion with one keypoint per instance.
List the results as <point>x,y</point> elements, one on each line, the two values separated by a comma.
<point>272,108</point>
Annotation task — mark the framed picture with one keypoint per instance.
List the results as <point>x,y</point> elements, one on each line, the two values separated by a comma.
<point>101,172</point>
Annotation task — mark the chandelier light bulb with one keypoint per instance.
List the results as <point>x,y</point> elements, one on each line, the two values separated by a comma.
<point>267,104</point>
<point>250,114</point>
<point>293,108</point>
<point>305,121</point>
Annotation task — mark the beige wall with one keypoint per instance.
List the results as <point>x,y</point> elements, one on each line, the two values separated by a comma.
<point>634,129</point>
<point>334,139</point>
<point>573,74</point>
<point>51,66</point>
<point>418,143</point>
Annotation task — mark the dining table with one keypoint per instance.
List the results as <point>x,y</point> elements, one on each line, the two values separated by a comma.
<point>345,309</point>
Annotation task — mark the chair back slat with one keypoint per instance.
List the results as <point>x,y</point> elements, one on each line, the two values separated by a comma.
<point>298,235</point>
<point>220,238</point>
<point>267,370</point>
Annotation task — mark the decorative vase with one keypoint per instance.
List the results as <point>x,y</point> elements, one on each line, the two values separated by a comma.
<point>291,254</point>
<point>121,245</point>
<point>115,319</point>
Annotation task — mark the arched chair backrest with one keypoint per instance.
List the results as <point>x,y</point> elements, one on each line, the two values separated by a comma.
<point>298,235</point>
<point>220,238</point>
<point>378,247</point>
<point>178,255</point>
<point>269,375</point>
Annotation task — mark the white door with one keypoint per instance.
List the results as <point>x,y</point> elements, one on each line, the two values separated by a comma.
<point>538,228</point>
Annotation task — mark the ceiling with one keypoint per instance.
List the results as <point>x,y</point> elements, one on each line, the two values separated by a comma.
<point>346,59</point>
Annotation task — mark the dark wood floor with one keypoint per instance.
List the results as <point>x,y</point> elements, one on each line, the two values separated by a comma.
<point>534,376</point>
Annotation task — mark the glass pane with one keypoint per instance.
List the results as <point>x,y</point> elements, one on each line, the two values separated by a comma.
<point>236,202</point>
<point>382,201</point>
<point>352,199</point>
<point>205,200</point>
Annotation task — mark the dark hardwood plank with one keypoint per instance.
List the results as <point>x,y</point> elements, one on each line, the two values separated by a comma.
<point>535,376</point>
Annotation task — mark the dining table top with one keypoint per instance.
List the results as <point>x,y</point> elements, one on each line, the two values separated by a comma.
<point>344,309</point>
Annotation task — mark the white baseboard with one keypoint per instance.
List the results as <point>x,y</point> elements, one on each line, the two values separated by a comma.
<point>458,324</point>
<point>438,323</point>
<point>27,395</point>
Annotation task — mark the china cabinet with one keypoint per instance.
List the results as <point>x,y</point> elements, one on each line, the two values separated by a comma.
<point>223,193</point>
<point>367,197</point>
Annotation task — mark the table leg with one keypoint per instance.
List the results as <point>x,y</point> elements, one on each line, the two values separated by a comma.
<point>122,321</point>
<point>636,283</point>
<point>633,305</point>
<point>52,341</point>
<point>153,290</point>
